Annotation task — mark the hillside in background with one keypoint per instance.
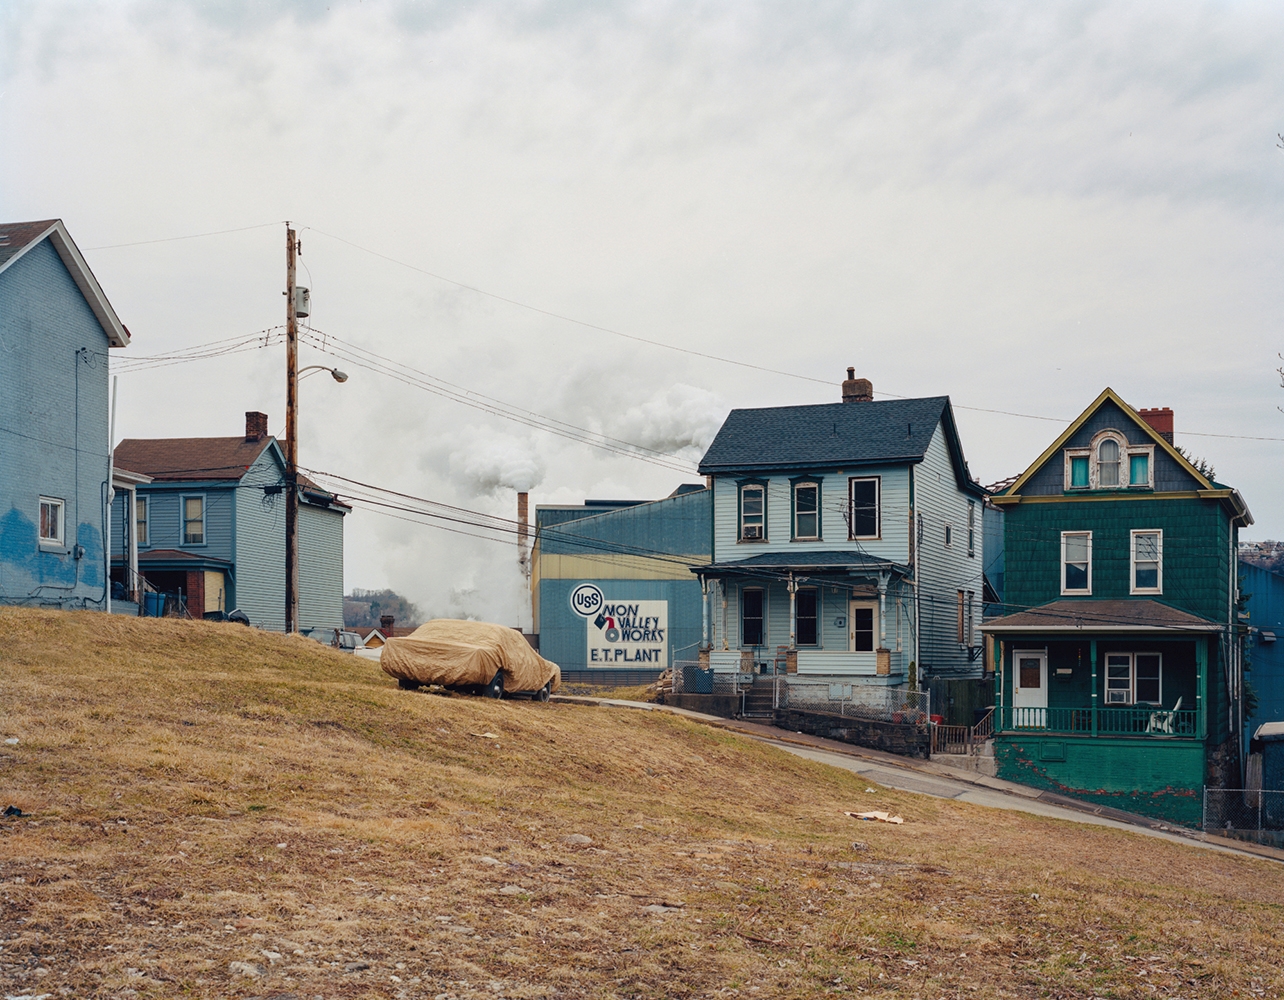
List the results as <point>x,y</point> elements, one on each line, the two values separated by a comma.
<point>1268,555</point>
<point>362,608</point>
<point>213,811</point>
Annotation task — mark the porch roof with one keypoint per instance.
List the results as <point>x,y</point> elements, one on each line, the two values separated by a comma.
<point>159,560</point>
<point>830,562</point>
<point>1082,616</point>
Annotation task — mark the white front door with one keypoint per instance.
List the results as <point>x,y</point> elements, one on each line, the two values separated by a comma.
<point>1029,688</point>
<point>862,627</point>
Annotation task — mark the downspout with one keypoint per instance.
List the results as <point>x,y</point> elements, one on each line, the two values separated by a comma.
<point>111,496</point>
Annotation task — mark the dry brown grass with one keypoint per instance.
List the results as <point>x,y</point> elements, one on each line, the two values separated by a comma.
<point>202,795</point>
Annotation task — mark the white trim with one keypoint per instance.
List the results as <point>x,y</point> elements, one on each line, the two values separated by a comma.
<point>1132,561</point>
<point>1132,678</point>
<point>862,602</point>
<point>60,541</point>
<point>1068,474</point>
<point>759,645</point>
<point>740,511</point>
<point>1066,592</point>
<point>878,508</point>
<point>795,535</point>
<point>84,278</point>
<point>144,540</point>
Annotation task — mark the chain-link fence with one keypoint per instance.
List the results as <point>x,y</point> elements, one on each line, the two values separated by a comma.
<point>689,678</point>
<point>1254,814</point>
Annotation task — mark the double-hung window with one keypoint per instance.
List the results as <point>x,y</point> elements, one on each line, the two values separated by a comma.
<point>193,520</point>
<point>52,528</point>
<point>753,512</point>
<point>806,619</point>
<point>1076,562</point>
<point>1134,679</point>
<point>1147,562</point>
<point>971,528</point>
<point>1108,463</point>
<point>863,507</point>
<point>751,617</point>
<point>806,510</point>
<point>140,520</point>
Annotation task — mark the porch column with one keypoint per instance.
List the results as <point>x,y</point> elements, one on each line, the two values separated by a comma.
<point>1201,690</point>
<point>1092,646</point>
<point>793,613</point>
<point>882,610</point>
<point>704,613</point>
<point>722,589</point>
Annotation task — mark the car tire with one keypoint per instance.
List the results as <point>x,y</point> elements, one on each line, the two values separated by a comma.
<point>406,684</point>
<point>544,693</point>
<point>495,689</point>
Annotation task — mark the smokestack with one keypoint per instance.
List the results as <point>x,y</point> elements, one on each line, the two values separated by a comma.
<point>1161,420</point>
<point>255,426</point>
<point>857,390</point>
<point>523,530</point>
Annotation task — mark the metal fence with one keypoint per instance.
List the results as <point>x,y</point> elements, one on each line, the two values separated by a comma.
<point>1254,814</point>
<point>858,701</point>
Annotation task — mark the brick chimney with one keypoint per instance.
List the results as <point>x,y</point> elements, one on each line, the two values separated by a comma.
<point>255,426</point>
<point>857,390</point>
<point>385,624</point>
<point>1161,420</point>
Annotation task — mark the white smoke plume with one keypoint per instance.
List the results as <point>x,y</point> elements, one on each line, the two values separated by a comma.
<point>680,420</point>
<point>488,461</point>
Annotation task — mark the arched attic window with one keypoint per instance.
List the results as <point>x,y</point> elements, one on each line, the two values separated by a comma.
<point>1108,463</point>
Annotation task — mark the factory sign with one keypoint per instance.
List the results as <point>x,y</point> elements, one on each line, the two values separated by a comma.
<point>629,634</point>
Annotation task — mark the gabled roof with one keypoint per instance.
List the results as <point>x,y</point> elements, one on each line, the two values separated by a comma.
<point>834,435</point>
<point>190,459</point>
<point>16,238</point>
<point>1215,491</point>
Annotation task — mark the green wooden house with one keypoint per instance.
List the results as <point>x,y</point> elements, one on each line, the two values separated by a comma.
<point>1118,668</point>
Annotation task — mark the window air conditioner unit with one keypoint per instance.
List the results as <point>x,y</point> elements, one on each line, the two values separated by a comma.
<point>1116,697</point>
<point>752,531</point>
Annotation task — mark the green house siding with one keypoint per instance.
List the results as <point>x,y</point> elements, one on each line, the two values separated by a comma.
<point>1196,570</point>
<point>1152,778</point>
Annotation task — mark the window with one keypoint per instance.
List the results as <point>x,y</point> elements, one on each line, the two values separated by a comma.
<point>805,616</point>
<point>751,618</point>
<point>1134,678</point>
<point>51,521</point>
<point>949,535</point>
<point>1078,472</point>
<point>1108,463</point>
<point>864,515</point>
<point>1076,562</point>
<point>862,629</point>
<point>806,510</point>
<point>971,528</point>
<point>1138,470</point>
<point>140,521</point>
<point>1147,562</point>
<point>753,513</point>
<point>193,520</point>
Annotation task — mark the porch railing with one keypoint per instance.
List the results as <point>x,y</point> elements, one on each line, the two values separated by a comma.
<point>963,739</point>
<point>1109,721</point>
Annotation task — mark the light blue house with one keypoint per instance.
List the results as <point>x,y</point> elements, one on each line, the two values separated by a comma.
<point>56,327</point>
<point>637,555</point>
<point>847,542</point>
<point>208,523</point>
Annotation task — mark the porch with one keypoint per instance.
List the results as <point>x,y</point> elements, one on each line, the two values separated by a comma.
<point>815,663</point>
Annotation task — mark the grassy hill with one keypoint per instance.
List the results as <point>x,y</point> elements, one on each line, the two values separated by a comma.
<point>214,811</point>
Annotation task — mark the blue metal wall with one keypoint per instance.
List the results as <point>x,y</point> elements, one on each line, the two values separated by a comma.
<point>633,554</point>
<point>53,434</point>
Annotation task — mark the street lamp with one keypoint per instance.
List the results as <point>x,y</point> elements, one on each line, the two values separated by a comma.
<point>337,375</point>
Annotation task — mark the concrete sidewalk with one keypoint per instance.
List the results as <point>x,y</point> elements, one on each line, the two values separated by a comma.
<point>923,777</point>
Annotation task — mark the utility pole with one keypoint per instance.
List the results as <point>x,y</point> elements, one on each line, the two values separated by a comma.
<point>291,439</point>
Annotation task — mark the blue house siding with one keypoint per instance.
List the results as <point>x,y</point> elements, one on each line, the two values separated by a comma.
<point>1265,605</point>
<point>320,567</point>
<point>260,548</point>
<point>53,434</point>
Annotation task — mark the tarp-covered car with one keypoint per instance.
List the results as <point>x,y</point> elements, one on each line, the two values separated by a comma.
<point>471,656</point>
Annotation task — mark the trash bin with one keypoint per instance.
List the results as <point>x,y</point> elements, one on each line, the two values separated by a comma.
<point>153,604</point>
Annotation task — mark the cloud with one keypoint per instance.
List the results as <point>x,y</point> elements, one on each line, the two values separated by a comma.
<point>680,420</point>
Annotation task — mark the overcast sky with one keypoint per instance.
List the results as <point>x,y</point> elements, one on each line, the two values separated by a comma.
<point>1013,204</point>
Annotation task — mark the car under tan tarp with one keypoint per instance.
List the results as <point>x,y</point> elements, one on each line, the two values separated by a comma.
<point>456,653</point>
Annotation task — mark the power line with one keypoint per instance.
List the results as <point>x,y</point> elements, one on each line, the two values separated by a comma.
<point>174,239</point>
